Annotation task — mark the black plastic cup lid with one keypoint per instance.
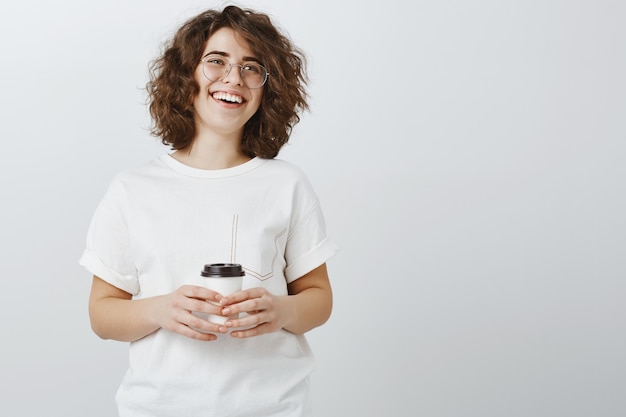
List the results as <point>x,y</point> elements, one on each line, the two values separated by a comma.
<point>222,270</point>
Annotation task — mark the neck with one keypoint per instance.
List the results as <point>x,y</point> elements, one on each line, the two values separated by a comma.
<point>212,152</point>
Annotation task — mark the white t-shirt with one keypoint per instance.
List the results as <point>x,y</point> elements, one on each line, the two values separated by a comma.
<point>155,229</point>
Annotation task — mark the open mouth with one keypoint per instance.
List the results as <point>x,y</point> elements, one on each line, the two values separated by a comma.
<point>227,97</point>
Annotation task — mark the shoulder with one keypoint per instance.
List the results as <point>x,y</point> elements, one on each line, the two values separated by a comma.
<point>133,178</point>
<point>292,180</point>
<point>141,172</point>
<point>285,169</point>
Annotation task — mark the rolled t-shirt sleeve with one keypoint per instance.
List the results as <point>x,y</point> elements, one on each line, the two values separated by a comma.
<point>108,253</point>
<point>308,245</point>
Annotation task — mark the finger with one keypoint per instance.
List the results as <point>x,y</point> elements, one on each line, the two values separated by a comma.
<point>243,295</point>
<point>255,331</point>
<point>201,324</point>
<point>252,320</point>
<point>248,306</point>
<point>202,306</point>
<point>192,333</point>
<point>200,293</point>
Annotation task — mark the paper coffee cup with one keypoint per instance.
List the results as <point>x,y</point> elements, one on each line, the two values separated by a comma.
<point>225,279</point>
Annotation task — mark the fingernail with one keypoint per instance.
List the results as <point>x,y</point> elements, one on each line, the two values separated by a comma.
<point>226,311</point>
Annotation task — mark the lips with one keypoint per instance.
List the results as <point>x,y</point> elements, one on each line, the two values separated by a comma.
<point>228,97</point>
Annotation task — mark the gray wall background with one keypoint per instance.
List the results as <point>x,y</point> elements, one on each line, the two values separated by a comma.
<point>469,156</point>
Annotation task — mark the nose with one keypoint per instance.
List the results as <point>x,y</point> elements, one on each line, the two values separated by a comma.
<point>233,76</point>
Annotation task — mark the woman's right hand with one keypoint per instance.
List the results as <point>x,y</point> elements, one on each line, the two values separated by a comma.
<point>175,312</point>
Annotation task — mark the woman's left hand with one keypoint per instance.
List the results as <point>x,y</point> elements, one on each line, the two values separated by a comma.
<point>266,312</point>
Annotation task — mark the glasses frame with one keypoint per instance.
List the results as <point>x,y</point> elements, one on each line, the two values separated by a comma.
<point>230,66</point>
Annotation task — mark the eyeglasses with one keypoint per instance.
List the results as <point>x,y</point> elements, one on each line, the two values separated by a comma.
<point>215,67</point>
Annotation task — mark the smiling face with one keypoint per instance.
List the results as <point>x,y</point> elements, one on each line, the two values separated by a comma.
<point>222,107</point>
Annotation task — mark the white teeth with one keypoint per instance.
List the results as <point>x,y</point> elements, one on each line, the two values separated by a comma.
<point>220,95</point>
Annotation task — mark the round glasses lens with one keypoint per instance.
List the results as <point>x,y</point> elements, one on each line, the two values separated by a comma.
<point>252,74</point>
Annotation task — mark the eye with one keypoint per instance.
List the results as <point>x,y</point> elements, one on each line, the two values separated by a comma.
<point>252,68</point>
<point>214,60</point>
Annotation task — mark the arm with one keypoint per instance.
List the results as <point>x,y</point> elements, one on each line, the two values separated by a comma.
<point>311,301</point>
<point>307,306</point>
<point>115,315</point>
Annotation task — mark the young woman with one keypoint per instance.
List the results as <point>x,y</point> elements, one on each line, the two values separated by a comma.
<point>224,96</point>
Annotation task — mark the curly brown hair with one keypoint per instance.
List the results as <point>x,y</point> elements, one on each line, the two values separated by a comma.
<point>172,86</point>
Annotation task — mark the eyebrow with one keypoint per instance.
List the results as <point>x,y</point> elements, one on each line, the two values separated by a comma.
<point>226,54</point>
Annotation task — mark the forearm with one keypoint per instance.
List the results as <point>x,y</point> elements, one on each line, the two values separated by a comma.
<point>310,302</point>
<point>123,319</point>
<point>307,310</point>
<point>114,315</point>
